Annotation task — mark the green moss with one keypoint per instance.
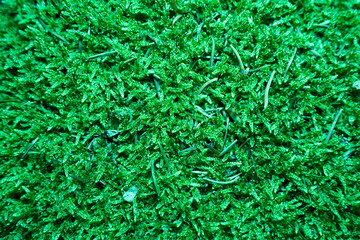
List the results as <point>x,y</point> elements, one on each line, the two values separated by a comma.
<point>111,87</point>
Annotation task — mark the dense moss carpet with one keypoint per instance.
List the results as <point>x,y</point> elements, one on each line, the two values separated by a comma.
<point>176,119</point>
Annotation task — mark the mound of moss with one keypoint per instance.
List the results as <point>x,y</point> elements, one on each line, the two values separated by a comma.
<point>179,119</point>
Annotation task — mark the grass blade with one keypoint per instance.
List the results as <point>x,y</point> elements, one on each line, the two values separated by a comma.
<point>259,68</point>
<point>267,90</point>
<point>213,109</point>
<point>8,100</point>
<point>28,149</point>
<point>221,182</point>
<point>217,152</point>
<point>164,155</point>
<point>228,148</point>
<point>157,87</point>
<point>77,178</point>
<point>212,53</point>
<point>341,50</point>
<point>324,24</point>
<point>212,149</point>
<point>253,162</point>
<point>206,84</point>
<point>226,132</point>
<point>153,176</point>
<point>315,53</point>
<point>202,111</point>
<point>58,36</point>
<point>199,172</point>
<point>333,125</point>
<point>235,176</point>
<point>43,24</point>
<point>101,55</point>
<point>80,46</point>
<point>348,153</point>
<point>244,143</point>
<point>239,58</point>
<point>188,149</point>
<point>291,60</point>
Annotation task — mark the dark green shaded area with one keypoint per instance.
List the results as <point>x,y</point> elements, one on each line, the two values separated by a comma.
<point>111,91</point>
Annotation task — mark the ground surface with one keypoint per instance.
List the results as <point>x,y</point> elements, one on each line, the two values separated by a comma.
<point>164,98</point>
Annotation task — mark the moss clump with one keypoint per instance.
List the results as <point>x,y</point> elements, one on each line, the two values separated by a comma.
<point>122,93</point>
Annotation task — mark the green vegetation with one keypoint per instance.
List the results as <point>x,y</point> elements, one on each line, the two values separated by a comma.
<point>234,119</point>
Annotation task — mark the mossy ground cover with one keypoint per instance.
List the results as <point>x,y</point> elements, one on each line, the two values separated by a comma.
<point>234,119</point>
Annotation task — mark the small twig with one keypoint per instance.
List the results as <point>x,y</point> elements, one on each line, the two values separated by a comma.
<point>267,90</point>
<point>228,148</point>
<point>232,114</point>
<point>333,125</point>
<point>240,61</point>
<point>221,182</point>
<point>212,53</point>
<point>130,60</point>
<point>291,60</point>
<point>176,18</point>
<point>199,172</point>
<point>102,55</point>
<point>28,149</point>
<point>173,5</point>
<point>206,84</point>
<point>212,149</point>
<point>153,176</point>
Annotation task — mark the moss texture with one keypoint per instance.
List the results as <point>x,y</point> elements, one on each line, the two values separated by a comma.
<point>98,96</point>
